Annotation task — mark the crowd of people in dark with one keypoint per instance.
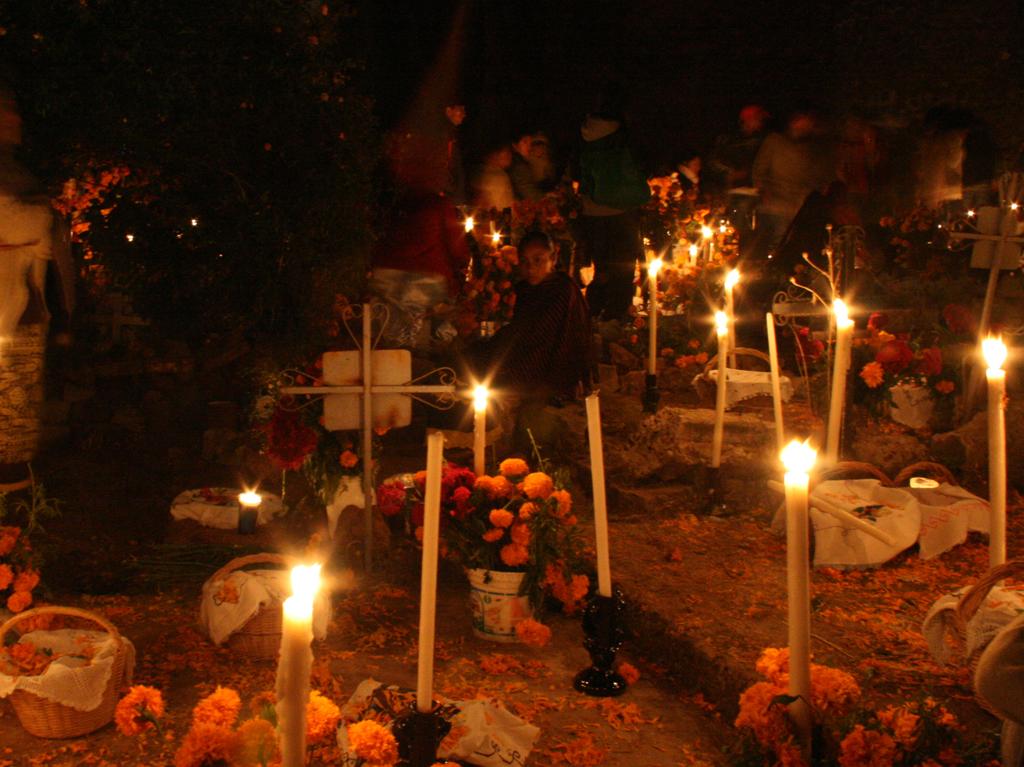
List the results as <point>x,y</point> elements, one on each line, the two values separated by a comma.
<point>779,179</point>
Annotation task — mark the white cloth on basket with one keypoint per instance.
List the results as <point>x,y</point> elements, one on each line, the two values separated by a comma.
<point>1001,606</point>
<point>745,384</point>
<point>222,511</point>
<point>70,681</point>
<point>255,588</point>
<point>948,512</point>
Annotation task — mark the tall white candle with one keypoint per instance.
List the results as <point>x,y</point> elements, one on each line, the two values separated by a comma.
<point>798,459</point>
<point>428,577</point>
<point>693,250</point>
<point>295,663</point>
<point>840,368</point>
<point>731,280</point>
<point>994,351</point>
<point>773,357</point>
<point>604,573</point>
<point>708,234</point>
<point>480,395</point>
<point>722,329</point>
<point>652,351</point>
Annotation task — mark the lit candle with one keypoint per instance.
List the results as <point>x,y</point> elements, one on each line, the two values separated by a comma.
<point>428,576</point>
<point>652,315</point>
<point>604,573</point>
<point>295,663</point>
<point>731,279</point>
<point>693,250</point>
<point>722,328</point>
<point>248,511</point>
<point>469,224</point>
<point>708,234</point>
<point>798,459</point>
<point>480,395</point>
<point>773,357</point>
<point>994,351</point>
<point>840,367</point>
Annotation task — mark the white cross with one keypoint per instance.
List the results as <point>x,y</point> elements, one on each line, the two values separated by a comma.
<point>350,377</point>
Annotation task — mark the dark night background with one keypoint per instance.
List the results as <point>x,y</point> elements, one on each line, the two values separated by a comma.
<point>264,120</point>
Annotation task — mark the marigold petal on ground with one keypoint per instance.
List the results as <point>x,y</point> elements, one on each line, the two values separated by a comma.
<point>533,633</point>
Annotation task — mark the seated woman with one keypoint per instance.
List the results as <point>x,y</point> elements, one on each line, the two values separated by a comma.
<point>543,354</point>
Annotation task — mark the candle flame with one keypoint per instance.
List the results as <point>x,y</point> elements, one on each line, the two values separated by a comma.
<point>842,314</point>
<point>798,457</point>
<point>480,395</point>
<point>994,351</point>
<point>654,267</point>
<point>250,498</point>
<point>732,278</point>
<point>694,250</point>
<point>305,582</point>
<point>495,238</point>
<point>721,323</point>
<point>1014,206</point>
<point>470,223</point>
<point>706,232</point>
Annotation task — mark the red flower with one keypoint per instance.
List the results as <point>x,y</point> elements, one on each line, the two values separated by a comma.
<point>390,498</point>
<point>930,362</point>
<point>959,319</point>
<point>289,440</point>
<point>460,497</point>
<point>812,348</point>
<point>894,355</point>
<point>452,479</point>
<point>416,514</point>
<point>877,321</point>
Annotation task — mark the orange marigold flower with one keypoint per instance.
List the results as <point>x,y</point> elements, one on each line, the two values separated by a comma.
<point>833,691</point>
<point>6,576</point>
<point>485,483</point>
<point>138,710</point>
<point>867,748</point>
<point>759,713</point>
<point>500,488</point>
<point>538,485</point>
<point>8,537</point>
<point>26,580</point>
<point>533,633</point>
<point>527,510</point>
<point>348,459</point>
<point>501,517</point>
<point>514,555</point>
<point>903,724</point>
<point>564,499</point>
<point>219,708</point>
<point>256,744</point>
<point>19,600</point>
<point>873,374</point>
<point>773,664</point>
<point>513,467</point>
<point>494,534</point>
<point>322,718</point>
<point>373,743</point>
<point>206,744</point>
<point>520,534</point>
<point>629,672</point>
<point>945,387</point>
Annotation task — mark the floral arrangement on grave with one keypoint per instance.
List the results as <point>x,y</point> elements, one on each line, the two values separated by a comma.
<point>922,732</point>
<point>884,360</point>
<point>221,732</point>
<point>915,242</point>
<point>292,435</point>
<point>518,521</point>
<point>675,219</point>
<point>19,562</point>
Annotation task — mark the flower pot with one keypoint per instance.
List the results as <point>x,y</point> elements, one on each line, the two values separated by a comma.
<point>497,604</point>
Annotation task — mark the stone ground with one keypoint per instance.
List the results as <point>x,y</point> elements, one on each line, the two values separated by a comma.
<point>706,593</point>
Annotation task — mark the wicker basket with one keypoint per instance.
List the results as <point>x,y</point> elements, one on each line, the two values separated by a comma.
<point>48,719</point>
<point>260,637</point>
<point>972,601</point>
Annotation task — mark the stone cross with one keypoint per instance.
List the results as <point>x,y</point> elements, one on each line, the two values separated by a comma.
<point>369,389</point>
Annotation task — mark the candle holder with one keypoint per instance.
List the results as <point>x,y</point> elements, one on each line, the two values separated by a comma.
<point>651,394</point>
<point>715,503</point>
<point>604,625</point>
<point>419,735</point>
